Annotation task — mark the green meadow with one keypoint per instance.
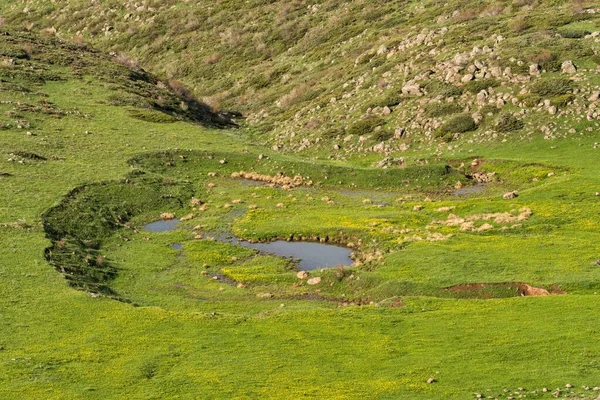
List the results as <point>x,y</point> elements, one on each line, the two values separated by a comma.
<point>93,306</point>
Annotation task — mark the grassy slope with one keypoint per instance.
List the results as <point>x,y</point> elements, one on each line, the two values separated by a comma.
<point>61,343</point>
<point>281,64</point>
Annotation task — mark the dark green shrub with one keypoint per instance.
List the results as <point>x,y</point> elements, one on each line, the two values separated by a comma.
<point>458,124</point>
<point>441,109</point>
<point>365,126</point>
<point>552,87</point>
<point>488,108</point>
<point>572,33</point>
<point>438,88</point>
<point>508,123</point>
<point>478,86</point>
<point>392,99</point>
<point>383,135</point>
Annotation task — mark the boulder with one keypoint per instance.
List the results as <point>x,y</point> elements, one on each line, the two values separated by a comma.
<point>314,281</point>
<point>411,87</point>
<point>510,195</point>
<point>534,69</point>
<point>467,78</point>
<point>568,67</point>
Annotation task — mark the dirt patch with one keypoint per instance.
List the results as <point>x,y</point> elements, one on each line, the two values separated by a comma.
<point>498,290</point>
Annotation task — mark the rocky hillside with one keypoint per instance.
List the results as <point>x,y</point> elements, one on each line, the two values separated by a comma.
<point>360,77</point>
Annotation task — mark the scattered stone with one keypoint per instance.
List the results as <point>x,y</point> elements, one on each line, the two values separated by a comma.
<point>431,380</point>
<point>302,275</point>
<point>264,295</point>
<point>510,195</point>
<point>167,216</point>
<point>196,202</point>
<point>314,281</point>
<point>569,386</point>
<point>187,217</point>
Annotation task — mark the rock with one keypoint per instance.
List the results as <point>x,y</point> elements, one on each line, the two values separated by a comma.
<point>302,275</point>
<point>461,60</point>
<point>379,148</point>
<point>431,380</point>
<point>417,207</point>
<point>411,87</point>
<point>482,98</point>
<point>314,281</point>
<point>496,72</point>
<point>264,295</point>
<point>534,69</point>
<point>467,78</point>
<point>568,67</point>
<point>510,195</point>
<point>552,110</point>
<point>569,386</point>
<point>167,216</point>
<point>594,97</point>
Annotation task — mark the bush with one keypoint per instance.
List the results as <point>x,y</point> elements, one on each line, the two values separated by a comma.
<point>478,86</point>
<point>508,123</point>
<point>383,135</point>
<point>441,109</point>
<point>365,126</point>
<point>488,108</point>
<point>552,87</point>
<point>438,88</point>
<point>572,33</point>
<point>458,124</point>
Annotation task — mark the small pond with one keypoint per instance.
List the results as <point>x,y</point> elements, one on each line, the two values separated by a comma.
<point>162,226</point>
<point>309,255</point>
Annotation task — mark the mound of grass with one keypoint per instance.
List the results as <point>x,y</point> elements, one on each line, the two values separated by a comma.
<point>88,215</point>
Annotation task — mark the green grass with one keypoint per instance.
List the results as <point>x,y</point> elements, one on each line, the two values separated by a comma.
<point>378,329</point>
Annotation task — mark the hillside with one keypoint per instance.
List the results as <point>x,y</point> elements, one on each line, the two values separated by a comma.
<point>449,149</point>
<point>359,76</point>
